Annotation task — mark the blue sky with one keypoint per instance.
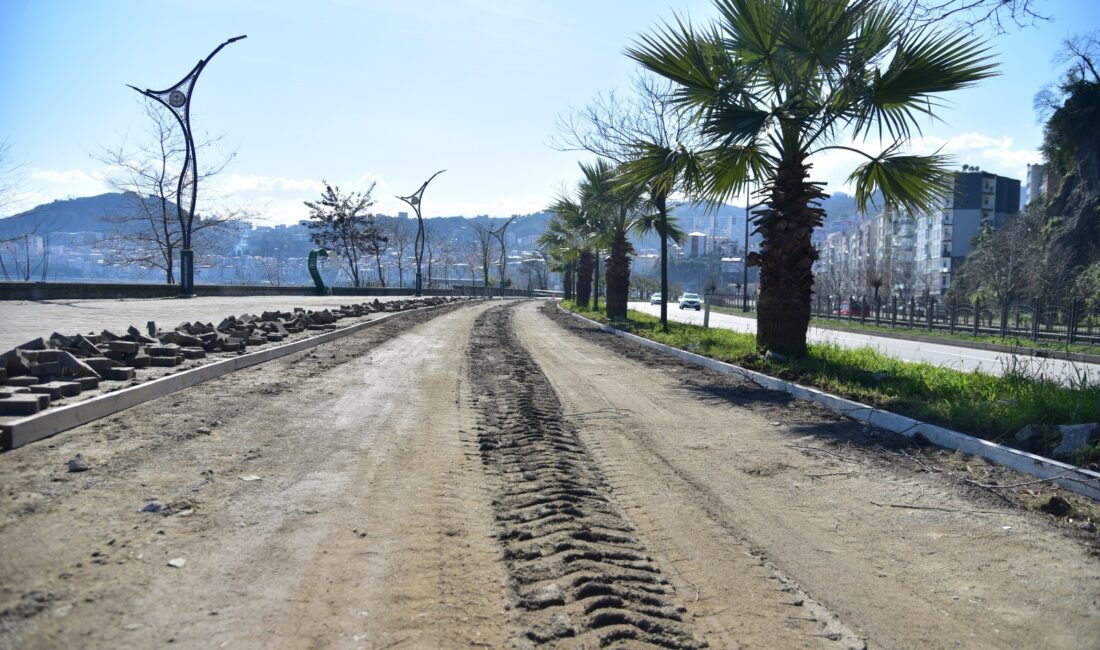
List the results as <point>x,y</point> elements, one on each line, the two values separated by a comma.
<point>391,91</point>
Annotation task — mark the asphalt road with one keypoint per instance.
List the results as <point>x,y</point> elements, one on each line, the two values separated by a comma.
<point>951,356</point>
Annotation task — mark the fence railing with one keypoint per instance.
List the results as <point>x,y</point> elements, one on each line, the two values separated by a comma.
<point>1070,321</point>
<point>731,301</point>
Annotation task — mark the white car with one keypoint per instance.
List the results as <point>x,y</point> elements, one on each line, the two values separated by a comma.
<point>655,299</point>
<point>691,301</point>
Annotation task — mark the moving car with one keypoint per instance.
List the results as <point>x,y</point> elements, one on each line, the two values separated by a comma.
<point>691,301</point>
<point>655,299</point>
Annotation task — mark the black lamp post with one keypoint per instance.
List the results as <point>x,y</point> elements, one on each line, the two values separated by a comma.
<point>418,246</point>
<point>177,99</point>
<point>745,257</point>
<point>499,234</point>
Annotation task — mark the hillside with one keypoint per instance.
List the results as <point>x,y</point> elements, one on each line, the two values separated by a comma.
<point>84,214</point>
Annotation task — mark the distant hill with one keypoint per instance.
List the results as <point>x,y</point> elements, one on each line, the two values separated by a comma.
<point>84,214</point>
<point>94,213</point>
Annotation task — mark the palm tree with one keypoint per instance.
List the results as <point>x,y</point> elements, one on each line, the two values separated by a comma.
<point>662,169</point>
<point>570,234</point>
<point>643,134</point>
<point>564,245</point>
<point>615,210</point>
<point>774,83</point>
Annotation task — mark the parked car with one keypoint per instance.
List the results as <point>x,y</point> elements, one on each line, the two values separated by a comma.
<point>655,299</point>
<point>691,301</point>
<point>854,309</point>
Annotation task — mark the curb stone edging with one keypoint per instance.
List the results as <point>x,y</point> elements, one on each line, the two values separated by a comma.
<point>1074,479</point>
<point>53,421</point>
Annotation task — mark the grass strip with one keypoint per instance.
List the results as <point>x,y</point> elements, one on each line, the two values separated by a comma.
<point>1023,346</point>
<point>983,405</point>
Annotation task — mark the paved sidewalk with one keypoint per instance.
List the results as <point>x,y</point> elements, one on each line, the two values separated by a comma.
<point>22,320</point>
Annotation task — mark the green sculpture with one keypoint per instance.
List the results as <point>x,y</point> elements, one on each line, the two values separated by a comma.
<point>313,255</point>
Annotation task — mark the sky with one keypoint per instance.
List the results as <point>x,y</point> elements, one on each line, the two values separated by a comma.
<point>391,91</point>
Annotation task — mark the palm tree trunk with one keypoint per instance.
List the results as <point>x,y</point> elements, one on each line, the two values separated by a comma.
<point>567,281</point>
<point>584,278</point>
<point>786,260</point>
<point>618,277</point>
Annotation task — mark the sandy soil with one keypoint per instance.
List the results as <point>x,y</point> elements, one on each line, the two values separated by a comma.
<point>493,476</point>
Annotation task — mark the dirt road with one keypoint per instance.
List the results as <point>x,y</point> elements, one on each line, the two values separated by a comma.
<point>493,476</point>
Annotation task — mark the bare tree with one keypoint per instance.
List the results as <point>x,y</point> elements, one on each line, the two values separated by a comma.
<point>400,237</point>
<point>483,243</point>
<point>11,177</point>
<point>644,129</point>
<point>341,222</point>
<point>148,233</point>
<point>999,15</point>
<point>28,256</point>
<point>533,270</point>
<point>273,270</point>
<point>471,256</point>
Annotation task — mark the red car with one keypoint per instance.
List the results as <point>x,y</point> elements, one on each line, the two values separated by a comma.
<point>854,309</point>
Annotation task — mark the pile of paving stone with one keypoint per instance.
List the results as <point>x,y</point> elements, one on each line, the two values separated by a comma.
<point>42,371</point>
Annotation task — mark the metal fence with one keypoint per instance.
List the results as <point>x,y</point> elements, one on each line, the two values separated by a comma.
<point>1071,321</point>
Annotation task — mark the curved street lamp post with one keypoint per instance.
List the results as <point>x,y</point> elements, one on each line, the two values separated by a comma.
<point>414,200</point>
<point>499,234</point>
<point>177,99</point>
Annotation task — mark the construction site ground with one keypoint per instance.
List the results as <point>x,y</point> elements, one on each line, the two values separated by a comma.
<point>496,474</point>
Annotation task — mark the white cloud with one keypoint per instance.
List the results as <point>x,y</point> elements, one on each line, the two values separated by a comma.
<point>998,155</point>
<point>232,183</point>
<point>64,177</point>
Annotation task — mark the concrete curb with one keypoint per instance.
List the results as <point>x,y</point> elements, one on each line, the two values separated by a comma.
<point>53,421</point>
<point>1074,479</point>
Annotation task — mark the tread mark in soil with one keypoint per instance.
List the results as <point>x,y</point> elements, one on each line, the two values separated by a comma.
<point>575,566</point>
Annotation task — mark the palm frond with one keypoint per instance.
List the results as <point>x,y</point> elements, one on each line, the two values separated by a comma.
<point>751,28</point>
<point>923,65</point>
<point>662,169</point>
<point>728,170</point>
<point>910,181</point>
<point>676,53</point>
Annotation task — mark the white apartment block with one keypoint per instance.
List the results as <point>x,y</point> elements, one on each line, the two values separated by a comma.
<point>908,254</point>
<point>944,239</point>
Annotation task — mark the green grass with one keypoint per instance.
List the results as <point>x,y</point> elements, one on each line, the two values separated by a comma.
<point>988,406</point>
<point>1014,342</point>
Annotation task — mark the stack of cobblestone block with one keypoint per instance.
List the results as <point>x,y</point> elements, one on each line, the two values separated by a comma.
<point>45,370</point>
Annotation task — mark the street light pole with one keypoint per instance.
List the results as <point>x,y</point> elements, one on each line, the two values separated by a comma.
<point>177,99</point>
<point>745,257</point>
<point>414,200</point>
<point>499,234</point>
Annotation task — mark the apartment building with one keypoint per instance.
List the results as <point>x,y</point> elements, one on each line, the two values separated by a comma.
<point>943,239</point>
<point>1036,182</point>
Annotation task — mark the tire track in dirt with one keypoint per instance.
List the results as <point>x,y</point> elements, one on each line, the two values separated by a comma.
<point>577,570</point>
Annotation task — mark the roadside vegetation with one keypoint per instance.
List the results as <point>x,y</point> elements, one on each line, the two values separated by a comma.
<point>986,406</point>
<point>1022,345</point>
